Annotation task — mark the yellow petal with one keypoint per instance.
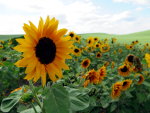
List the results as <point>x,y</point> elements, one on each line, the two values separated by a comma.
<point>31,66</point>
<point>38,72</point>
<point>43,75</point>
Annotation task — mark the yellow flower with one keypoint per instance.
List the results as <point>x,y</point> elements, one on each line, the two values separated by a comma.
<point>105,48</point>
<point>102,73</point>
<point>85,63</point>
<point>97,45</point>
<point>71,34</point>
<point>106,63</point>
<point>116,90</point>
<point>77,38</point>
<point>98,55</point>
<point>90,42</point>
<point>120,50</point>
<point>124,70</point>
<point>114,40</point>
<point>1,41</point>
<point>1,46</point>
<point>76,51</point>
<point>44,50</point>
<point>91,77</point>
<point>129,46</point>
<point>126,84</point>
<point>141,78</point>
<point>112,64</point>
<point>130,59</point>
<point>147,58</point>
<point>95,39</point>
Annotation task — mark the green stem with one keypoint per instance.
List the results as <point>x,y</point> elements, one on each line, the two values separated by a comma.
<point>36,97</point>
<point>34,108</point>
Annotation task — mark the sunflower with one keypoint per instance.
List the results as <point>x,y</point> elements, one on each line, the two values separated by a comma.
<point>91,77</point>
<point>76,51</point>
<point>105,48</point>
<point>71,34</point>
<point>1,41</point>
<point>1,46</point>
<point>130,59</point>
<point>141,78</point>
<point>98,55</point>
<point>97,45</point>
<point>44,50</point>
<point>126,84</point>
<point>147,58</point>
<point>116,90</point>
<point>77,38</point>
<point>85,63</point>
<point>129,47</point>
<point>120,50</point>
<point>102,73</point>
<point>124,70</point>
<point>112,64</point>
<point>95,39</point>
<point>115,52</point>
<point>90,42</point>
<point>113,40</point>
<point>106,63</point>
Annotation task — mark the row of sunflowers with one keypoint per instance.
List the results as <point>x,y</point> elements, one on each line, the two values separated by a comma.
<point>54,72</point>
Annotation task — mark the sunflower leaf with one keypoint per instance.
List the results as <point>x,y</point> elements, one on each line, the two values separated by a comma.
<point>9,102</point>
<point>57,100</point>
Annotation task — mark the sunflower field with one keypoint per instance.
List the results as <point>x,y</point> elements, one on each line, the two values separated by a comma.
<point>51,71</point>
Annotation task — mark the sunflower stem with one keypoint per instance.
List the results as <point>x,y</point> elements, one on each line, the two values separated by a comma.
<point>36,97</point>
<point>34,108</point>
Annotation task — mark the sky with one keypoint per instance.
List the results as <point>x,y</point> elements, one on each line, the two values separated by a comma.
<point>80,16</point>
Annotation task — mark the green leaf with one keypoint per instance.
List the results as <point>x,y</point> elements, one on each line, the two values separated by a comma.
<point>31,110</point>
<point>113,107</point>
<point>79,99</point>
<point>57,100</point>
<point>9,102</point>
<point>146,84</point>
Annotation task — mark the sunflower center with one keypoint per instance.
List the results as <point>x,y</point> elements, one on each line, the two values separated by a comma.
<point>130,58</point>
<point>76,50</point>
<point>77,39</point>
<point>72,35</point>
<point>45,50</point>
<point>124,83</point>
<point>97,45</point>
<point>124,69</point>
<point>98,55</point>
<point>85,63</point>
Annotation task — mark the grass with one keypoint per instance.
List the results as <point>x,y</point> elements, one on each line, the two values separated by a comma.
<point>142,37</point>
<point>6,37</point>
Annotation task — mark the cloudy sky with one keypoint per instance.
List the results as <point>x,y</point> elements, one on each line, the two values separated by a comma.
<point>80,16</point>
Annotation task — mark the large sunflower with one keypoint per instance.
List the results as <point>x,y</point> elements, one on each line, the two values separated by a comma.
<point>44,50</point>
<point>124,70</point>
<point>126,84</point>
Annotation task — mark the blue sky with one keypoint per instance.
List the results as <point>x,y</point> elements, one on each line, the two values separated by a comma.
<point>80,16</point>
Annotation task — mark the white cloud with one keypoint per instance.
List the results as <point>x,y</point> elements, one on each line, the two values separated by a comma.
<point>141,2</point>
<point>80,16</point>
